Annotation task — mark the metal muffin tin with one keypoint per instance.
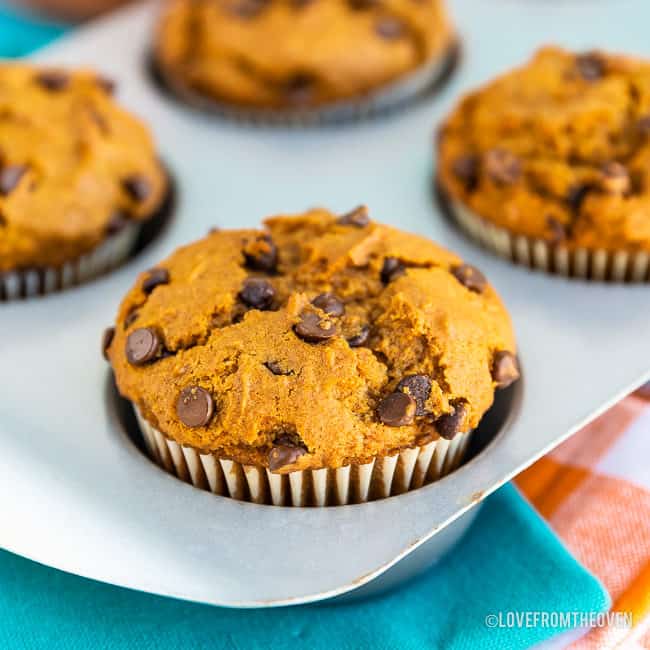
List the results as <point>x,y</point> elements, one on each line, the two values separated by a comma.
<point>77,495</point>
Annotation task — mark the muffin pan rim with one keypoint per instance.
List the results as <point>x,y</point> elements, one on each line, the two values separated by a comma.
<point>82,506</point>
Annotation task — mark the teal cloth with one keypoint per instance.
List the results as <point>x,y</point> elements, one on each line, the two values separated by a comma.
<point>509,561</point>
<point>22,33</point>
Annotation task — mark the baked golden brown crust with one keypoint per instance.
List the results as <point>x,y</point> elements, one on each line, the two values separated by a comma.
<point>296,54</point>
<point>74,167</point>
<point>558,150</point>
<point>305,371</point>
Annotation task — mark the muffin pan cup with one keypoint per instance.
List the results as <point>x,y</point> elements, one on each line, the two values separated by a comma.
<point>583,263</point>
<point>355,483</point>
<point>423,82</point>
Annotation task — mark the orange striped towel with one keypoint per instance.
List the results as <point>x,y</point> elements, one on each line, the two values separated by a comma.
<point>594,490</point>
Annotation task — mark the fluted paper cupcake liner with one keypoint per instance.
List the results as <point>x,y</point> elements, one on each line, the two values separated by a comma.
<point>111,253</point>
<point>427,79</point>
<point>355,483</point>
<point>28,283</point>
<point>587,264</point>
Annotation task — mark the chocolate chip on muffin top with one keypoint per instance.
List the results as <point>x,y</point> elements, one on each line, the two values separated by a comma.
<point>295,347</point>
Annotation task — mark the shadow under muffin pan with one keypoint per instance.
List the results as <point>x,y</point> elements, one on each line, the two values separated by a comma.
<point>418,85</point>
<point>115,250</point>
<point>81,497</point>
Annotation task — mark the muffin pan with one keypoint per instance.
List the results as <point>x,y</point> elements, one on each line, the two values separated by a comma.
<point>74,491</point>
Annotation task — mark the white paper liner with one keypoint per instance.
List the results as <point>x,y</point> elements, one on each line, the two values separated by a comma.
<point>584,263</point>
<point>391,96</point>
<point>383,477</point>
<point>33,282</point>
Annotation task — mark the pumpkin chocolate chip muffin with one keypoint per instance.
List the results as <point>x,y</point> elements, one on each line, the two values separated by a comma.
<point>324,359</point>
<point>287,57</point>
<point>78,175</point>
<point>549,165</point>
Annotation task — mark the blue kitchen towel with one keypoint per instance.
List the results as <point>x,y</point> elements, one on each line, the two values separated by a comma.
<point>22,33</point>
<point>510,561</point>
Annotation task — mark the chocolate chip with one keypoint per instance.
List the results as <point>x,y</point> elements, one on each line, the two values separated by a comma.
<point>465,168</point>
<point>591,66</point>
<point>313,329</point>
<point>155,277</point>
<point>257,293</point>
<point>505,368</point>
<point>137,187</point>
<point>329,303</point>
<point>419,388</point>
<point>359,339</point>
<point>643,125</point>
<point>390,28</point>
<point>107,339</point>
<point>276,368</point>
<point>358,217</point>
<point>284,452</point>
<point>615,178</point>
<point>142,346</point>
<point>502,166</point>
<point>261,254</point>
<point>52,80</point>
<point>363,4</point>
<point>131,317</point>
<point>557,231</point>
<point>247,8</point>
<point>470,277</point>
<point>397,410</point>
<point>10,177</point>
<point>299,89</point>
<point>391,269</point>
<point>576,195</point>
<point>195,406</point>
<point>117,222</point>
<point>107,85</point>
<point>450,424</point>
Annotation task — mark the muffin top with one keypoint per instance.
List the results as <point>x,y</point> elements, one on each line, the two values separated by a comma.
<point>322,339</point>
<point>74,167</point>
<point>558,150</point>
<point>296,53</point>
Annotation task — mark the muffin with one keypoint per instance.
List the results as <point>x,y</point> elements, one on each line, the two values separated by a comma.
<point>323,360</point>
<point>302,60</point>
<point>549,165</point>
<point>78,178</point>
